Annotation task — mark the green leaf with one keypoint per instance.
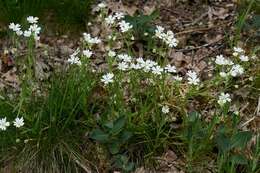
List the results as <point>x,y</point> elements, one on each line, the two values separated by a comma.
<point>223,143</point>
<point>239,159</point>
<point>118,125</point>
<point>109,125</point>
<point>113,148</point>
<point>240,139</point>
<point>126,135</point>
<point>99,135</point>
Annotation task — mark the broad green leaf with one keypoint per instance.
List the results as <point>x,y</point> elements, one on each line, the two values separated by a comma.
<point>99,135</point>
<point>240,139</point>
<point>223,143</point>
<point>114,148</point>
<point>118,125</point>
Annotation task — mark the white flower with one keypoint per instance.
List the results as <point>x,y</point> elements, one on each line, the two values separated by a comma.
<point>193,78</point>
<point>110,20</point>
<point>165,109</point>
<point>87,53</point>
<point>35,29</point>
<point>244,58</point>
<point>170,40</point>
<point>159,32</point>
<point>4,124</point>
<point>124,26</point>
<point>170,69</point>
<point>102,5</point>
<point>167,37</point>
<point>111,53</point>
<point>90,40</point>
<point>236,70</point>
<point>223,99</point>
<point>122,66</point>
<point>19,33</point>
<point>135,66</point>
<point>18,122</point>
<point>107,78</point>
<point>148,65</point>
<point>177,78</point>
<point>125,57</point>
<point>237,51</point>
<point>221,60</point>
<point>27,33</point>
<point>119,15</point>
<point>223,74</point>
<point>74,59</point>
<point>32,19</point>
<point>15,27</point>
<point>157,70</point>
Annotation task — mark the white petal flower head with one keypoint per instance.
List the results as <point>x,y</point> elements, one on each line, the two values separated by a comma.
<point>119,15</point>
<point>123,66</point>
<point>159,32</point>
<point>4,124</point>
<point>32,19</point>
<point>87,53</point>
<point>27,33</point>
<point>221,60</point>
<point>18,122</point>
<point>19,33</point>
<point>111,53</point>
<point>107,78</point>
<point>238,51</point>
<point>15,27</point>
<point>87,37</point>
<point>125,57</point>
<point>170,39</point>
<point>244,58</point>
<point>165,109</point>
<point>102,5</point>
<point>177,78</point>
<point>223,99</point>
<point>74,59</point>
<point>236,70</point>
<point>157,70</point>
<point>170,69</point>
<point>223,74</point>
<point>193,78</point>
<point>35,29</point>
<point>110,20</point>
<point>135,66</point>
<point>125,26</point>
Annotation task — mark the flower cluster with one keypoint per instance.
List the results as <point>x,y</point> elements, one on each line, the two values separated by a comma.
<point>33,30</point>
<point>91,40</point>
<point>74,58</point>
<point>111,19</point>
<point>18,122</point>
<point>126,63</point>
<point>233,70</point>
<point>167,37</point>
